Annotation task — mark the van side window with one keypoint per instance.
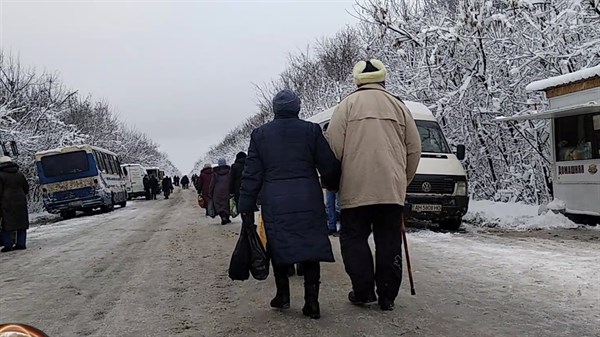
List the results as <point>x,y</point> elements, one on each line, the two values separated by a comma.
<point>125,171</point>
<point>99,161</point>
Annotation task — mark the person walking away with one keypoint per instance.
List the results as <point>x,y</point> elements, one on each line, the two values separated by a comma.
<point>203,184</point>
<point>13,205</point>
<point>176,180</point>
<point>283,159</point>
<point>167,187</point>
<point>219,191</point>
<point>194,179</point>
<point>185,182</point>
<point>235,183</point>
<point>153,187</point>
<point>375,137</point>
<point>171,184</point>
<point>147,189</point>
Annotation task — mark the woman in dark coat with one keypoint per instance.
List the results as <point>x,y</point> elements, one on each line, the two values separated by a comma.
<point>203,184</point>
<point>283,160</point>
<point>235,183</point>
<point>219,191</point>
<point>13,205</point>
<point>167,187</point>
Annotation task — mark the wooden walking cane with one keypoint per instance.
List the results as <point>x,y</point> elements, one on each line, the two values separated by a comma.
<point>410,276</point>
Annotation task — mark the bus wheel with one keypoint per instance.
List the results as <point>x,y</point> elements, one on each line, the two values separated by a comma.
<point>108,208</point>
<point>88,211</point>
<point>67,214</point>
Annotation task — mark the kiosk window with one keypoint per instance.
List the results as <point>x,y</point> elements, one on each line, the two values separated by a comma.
<point>577,137</point>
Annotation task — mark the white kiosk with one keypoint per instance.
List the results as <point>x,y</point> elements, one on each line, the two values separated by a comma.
<point>574,111</point>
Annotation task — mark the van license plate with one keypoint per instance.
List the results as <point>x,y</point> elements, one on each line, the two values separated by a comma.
<point>427,208</point>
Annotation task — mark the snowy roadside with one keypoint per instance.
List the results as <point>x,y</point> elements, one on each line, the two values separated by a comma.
<point>515,216</point>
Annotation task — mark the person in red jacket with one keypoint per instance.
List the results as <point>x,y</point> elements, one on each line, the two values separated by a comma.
<point>203,184</point>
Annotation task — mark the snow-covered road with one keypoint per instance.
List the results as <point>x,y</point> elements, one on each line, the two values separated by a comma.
<point>160,269</point>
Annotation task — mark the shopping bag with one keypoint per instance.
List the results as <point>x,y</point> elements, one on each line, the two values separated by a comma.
<point>239,266</point>
<point>259,263</point>
<point>233,208</point>
<point>262,233</point>
<point>201,201</point>
<point>212,211</point>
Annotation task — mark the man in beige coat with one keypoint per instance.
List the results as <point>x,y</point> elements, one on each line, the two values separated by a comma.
<point>376,139</point>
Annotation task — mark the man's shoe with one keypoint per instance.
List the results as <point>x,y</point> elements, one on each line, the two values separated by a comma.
<point>359,300</point>
<point>386,305</point>
<point>19,247</point>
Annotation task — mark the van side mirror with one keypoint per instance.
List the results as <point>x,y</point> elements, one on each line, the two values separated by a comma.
<point>461,152</point>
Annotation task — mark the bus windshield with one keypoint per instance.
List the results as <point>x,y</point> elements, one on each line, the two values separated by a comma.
<point>65,163</point>
<point>432,138</point>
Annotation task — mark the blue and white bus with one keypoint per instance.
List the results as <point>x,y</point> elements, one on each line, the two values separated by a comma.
<point>80,178</point>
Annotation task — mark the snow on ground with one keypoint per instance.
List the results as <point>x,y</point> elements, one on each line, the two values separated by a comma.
<point>513,216</point>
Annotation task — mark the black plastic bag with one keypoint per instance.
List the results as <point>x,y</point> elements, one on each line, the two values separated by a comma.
<point>211,210</point>
<point>239,266</point>
<point>259,263</point>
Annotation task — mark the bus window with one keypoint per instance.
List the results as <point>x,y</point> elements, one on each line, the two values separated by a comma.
<point>66,163</point>
<point>106,162</point>
<point>125,171</point>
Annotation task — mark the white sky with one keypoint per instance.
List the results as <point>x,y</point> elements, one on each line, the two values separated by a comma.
<point>181,71</point>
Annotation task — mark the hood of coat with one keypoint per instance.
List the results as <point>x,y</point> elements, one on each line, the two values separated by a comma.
<point>240,160</point>
<point>9,167</point>
<point>286,104</point>
<point>222,170</point>
<point>207,171</point>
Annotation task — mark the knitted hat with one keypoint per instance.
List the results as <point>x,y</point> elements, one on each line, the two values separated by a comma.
<point>366,72</point>
<point>222,162</point>
<point>5,159</point>
<point>286,102</point>
<point>207,165</point>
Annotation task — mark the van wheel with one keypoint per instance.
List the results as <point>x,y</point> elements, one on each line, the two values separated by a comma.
<point>123,204</point>
<point>451,224</point>
<point>68,214</point>
<point>88,211</point>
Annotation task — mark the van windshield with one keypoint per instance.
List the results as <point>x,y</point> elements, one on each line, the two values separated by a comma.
<point>432,138</point>
<point>65,163</point>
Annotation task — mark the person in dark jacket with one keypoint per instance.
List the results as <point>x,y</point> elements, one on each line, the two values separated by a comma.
<point>153,187</point>
<point>203,184</point>
<point>167,187</point>
<point>176,180</point>
<point>147,189</point>
<point>219,191</point>
<point>13,205</point>
<point>282,164</point>
<point>185,182</point>
<point>235,183</point>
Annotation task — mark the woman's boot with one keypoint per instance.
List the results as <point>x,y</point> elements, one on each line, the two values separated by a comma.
<point>311,301</point>
<point>282,298</point>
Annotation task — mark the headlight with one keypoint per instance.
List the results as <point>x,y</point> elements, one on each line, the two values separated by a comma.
<point>460,188</point>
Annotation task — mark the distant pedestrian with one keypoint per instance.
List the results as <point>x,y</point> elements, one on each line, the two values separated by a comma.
<point>176,181</point>
<point>282,164</point>
<point>154,187</point>
<point>194,179</point>
<point>332,203</point>
<point>375,137</point>
<point>185,182</point>
<point>235,183</point>
<point>203,184</point>
<point>147,189</point>
<point>13,205</point>
<point>167,187</point>
<point>219,191</point>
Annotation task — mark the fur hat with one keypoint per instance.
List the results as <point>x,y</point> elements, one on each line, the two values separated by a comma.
<point>222,162</point>
<point>207,165</point>
<point>5,159</point>
<point>366,72</point>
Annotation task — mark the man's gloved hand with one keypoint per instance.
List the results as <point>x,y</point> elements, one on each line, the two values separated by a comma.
<point>248,219</point>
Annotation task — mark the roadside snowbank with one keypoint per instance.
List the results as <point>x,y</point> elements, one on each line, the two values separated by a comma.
<point>514,216</point>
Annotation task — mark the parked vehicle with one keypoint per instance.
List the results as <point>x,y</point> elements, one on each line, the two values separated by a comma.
<point>439,190</point>
<point>574,113</point>
<point>134,180</point>
<point>158,174</point>
<point>80,178</point>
